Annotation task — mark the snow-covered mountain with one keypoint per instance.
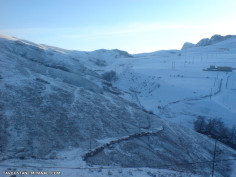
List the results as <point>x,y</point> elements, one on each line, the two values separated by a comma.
<point>58,110</point>
<point>187,45</point>
<point>206,41</point>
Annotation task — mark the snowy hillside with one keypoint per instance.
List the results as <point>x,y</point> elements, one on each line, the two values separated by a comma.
<point>173,84</point>
<point>57,110</point>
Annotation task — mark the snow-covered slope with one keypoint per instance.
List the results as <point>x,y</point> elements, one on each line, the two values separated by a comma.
<point>173,84</point>
<point>53,102</point>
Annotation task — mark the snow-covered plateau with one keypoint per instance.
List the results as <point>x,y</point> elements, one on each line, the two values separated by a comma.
<point>110,113</point>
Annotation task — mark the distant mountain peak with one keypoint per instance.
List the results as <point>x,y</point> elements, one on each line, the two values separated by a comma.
<point>187,45</point>
<point>214,39</point>
<point>208,41</point>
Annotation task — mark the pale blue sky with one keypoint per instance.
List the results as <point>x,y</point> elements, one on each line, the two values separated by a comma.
<point>132,25</point>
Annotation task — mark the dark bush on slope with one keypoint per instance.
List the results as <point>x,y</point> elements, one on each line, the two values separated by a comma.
<point>217,130</point>
<point>109,76</point>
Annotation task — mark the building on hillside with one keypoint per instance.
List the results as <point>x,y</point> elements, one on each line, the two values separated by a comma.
<point>224,68</point>
<point>219,68</point>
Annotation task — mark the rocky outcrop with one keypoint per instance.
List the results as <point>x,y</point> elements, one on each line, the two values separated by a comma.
<point>208,41</point>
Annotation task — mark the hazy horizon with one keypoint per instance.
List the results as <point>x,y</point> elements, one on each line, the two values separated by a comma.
<point>133,26</point>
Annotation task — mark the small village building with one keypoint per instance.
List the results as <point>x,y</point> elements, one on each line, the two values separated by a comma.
<point>219,68</point>
<point>224,68</point>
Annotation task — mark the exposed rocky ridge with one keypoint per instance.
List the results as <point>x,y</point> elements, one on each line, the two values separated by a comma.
<point>206,41</point>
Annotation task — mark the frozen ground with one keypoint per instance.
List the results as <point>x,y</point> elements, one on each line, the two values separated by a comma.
<point>97,171</point>
<point>69,165</point>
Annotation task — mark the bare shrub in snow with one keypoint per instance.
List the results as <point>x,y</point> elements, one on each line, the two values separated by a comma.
<point>109,173</point>
<point>110,76</point>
